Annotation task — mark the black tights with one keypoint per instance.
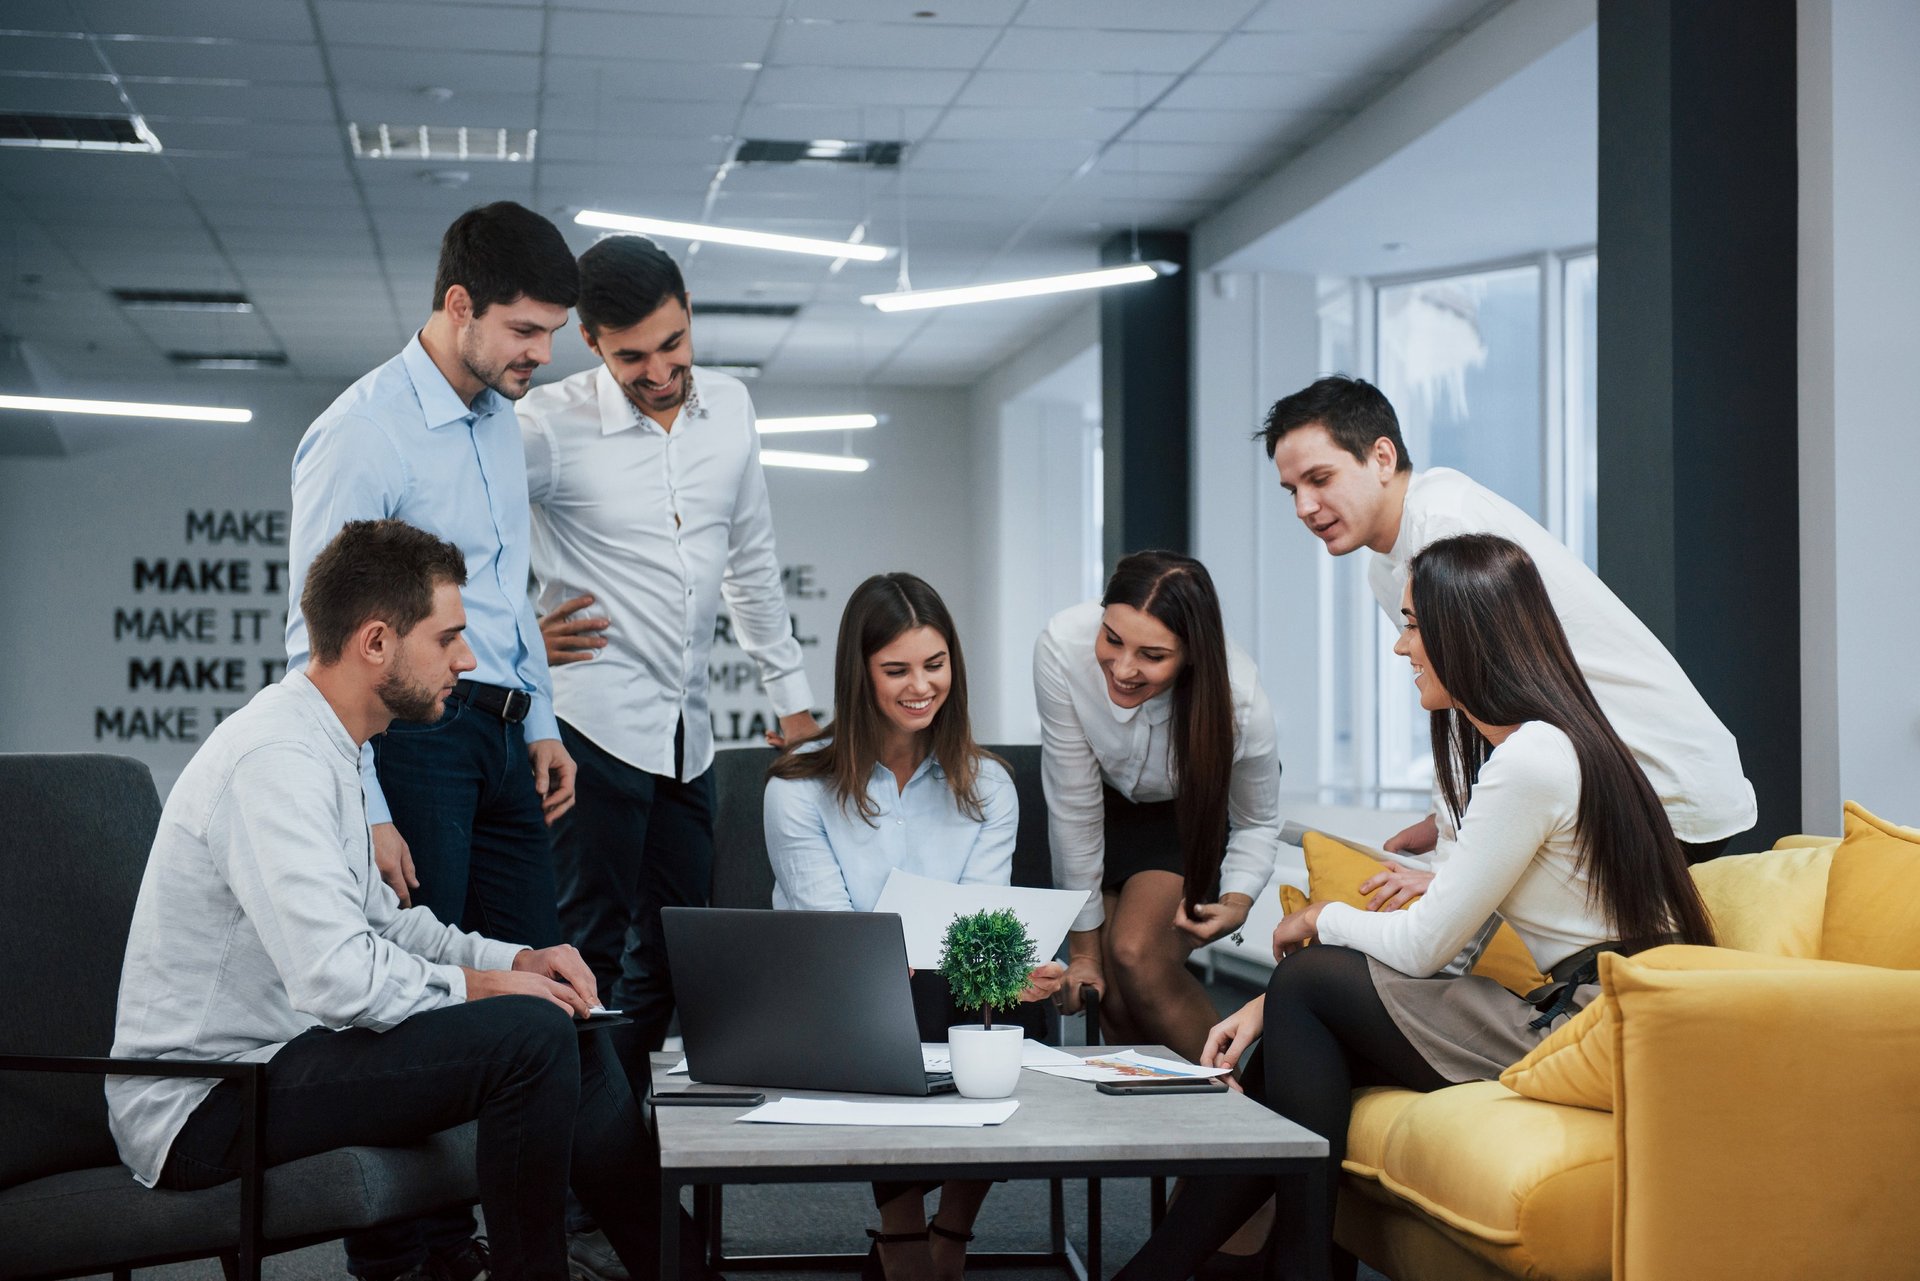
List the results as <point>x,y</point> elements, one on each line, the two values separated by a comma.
<point>1326,1034</point>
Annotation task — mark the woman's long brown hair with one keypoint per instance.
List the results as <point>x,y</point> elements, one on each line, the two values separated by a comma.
<point>1178,591</point>
<point>1495,643</point>
<point>881,609</point>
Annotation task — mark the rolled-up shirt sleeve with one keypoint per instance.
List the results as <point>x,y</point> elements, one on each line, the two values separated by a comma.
<point>1253,803</point>
<point>274,833</point>
<point>1518,801</point>
<point>1070,776</point>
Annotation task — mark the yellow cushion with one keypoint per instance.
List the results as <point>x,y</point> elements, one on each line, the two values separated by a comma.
<point>1335,872</point>
<point>1575,1065</point>
<point>1506,1171</point>
<point>1375,1109</point>
<point>1771,902</point>
<point>1873,906</point>
<point>1804,840</point>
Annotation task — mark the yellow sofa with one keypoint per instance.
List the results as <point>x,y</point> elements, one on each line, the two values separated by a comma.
<point>1765,1113</point>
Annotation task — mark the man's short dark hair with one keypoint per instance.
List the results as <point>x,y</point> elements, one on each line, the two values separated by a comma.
<point>623,280</point>
<point>384,569</point>
<point>504,251</point>
<point>1352,410</point>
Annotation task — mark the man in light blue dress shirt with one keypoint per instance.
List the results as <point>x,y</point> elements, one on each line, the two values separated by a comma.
<point>459,807</point>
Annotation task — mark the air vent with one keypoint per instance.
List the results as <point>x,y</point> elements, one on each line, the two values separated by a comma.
<point>765,310</point>
<point>76,132</point>
<point>183,300</point>
<point>833,151</point>
<point>228,359</point>
<point>442,142</point>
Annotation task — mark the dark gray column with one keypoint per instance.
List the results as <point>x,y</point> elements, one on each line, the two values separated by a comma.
<point>1146,365</point>
<point>1697,370</point>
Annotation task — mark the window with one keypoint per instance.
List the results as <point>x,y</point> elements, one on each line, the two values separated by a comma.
<point>1491,372</point>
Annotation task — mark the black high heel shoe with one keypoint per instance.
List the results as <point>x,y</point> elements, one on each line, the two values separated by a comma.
<point>874,1269</point>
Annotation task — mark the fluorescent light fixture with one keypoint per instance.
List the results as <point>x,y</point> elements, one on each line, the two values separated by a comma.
<point>126,409</point>
<point>71,131</point>
<point>820,422</point>
<point>730,236</point>
<point>914,300</point>
<point>814,462</point>
<point>215,300</point>
<point>228,359</point>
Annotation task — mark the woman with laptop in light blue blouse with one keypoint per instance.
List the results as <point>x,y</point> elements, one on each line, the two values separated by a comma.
<point>896,780</point>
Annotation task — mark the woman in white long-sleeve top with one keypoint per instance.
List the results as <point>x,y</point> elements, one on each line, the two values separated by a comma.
<point>896,780</point>
<point>1558,831</point>
<point>1163,790</point>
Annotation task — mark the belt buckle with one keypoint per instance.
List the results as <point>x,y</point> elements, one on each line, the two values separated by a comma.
<point>518,704</point>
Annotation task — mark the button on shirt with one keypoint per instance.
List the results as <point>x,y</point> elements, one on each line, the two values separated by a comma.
<point>261,915</point>
<point>660,527</point>
<point>827,858</point>
<point>400,443</point>
<point>1085,741</point>
<point>1689,757</point>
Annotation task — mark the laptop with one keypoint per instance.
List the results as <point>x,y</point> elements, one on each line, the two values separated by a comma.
<point>800,1000</point>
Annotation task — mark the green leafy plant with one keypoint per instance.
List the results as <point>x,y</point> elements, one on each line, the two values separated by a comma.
<point>986,958</point>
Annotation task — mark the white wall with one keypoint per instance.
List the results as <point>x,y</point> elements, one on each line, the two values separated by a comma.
<point>73,527</point>
<point>1860,451</point>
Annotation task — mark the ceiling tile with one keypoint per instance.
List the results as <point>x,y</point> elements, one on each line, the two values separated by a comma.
<point>19,93</point>
<point>1053,156</point>
<point>1135,15</point>
<point>982,13</point>
<point>1014,126</point>
<point>46,56</point>
<point>716,8</point>
<point>786,121</point>
<point>578,84</point>
<point>224,19</point>
<point>252,102</point>
<point>881,44</point>
<point>429,26</point>
<point>411,68</point>
<point>1317,53</point>
<point>281,139</point>
<point>657,37</point>
<point>257,61</point>
<point>1047,49</point>
<point>1293,92</point>
<point>1063,89</point>
<point>866,86</point>
<point>470,108</point>
<point>1366,15</point>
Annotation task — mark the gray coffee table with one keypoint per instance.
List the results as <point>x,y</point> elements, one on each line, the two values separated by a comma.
<point>1064,1129</point>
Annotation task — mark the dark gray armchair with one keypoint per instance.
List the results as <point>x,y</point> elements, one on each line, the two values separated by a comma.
<point>72,853</point>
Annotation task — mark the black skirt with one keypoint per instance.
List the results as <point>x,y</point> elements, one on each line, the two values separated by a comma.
<point>1143,836</point>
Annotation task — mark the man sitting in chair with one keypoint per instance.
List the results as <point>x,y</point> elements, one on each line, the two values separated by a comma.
<point>264,932</point>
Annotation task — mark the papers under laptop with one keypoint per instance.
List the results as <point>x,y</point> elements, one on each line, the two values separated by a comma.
<point>803,1000</point>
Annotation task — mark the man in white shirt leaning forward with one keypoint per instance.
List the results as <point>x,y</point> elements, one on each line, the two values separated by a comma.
<point>649,512</point>
<point>263,932</point>
<point>1337,447</point>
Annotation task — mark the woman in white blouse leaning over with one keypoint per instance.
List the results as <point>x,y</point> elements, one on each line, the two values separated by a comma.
<point>1163,790</point>
<point>896,780</point>
<point>1558,831</point>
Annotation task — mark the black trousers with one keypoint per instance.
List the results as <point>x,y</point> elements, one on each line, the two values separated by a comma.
<point>552,1104</point>
<point>633,843</point>
<point>1327,1033</point>
<point>461,793</point>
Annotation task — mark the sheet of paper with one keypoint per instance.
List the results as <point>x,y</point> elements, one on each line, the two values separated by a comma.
<point>1128,1065</point>
<point>678,1069</point>
<point>601,1009</point>
<point>934,1056</point>
<point>859,1112</point>
<point>926,907</point>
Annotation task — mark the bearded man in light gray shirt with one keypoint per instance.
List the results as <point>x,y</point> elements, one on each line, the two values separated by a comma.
<point>264,932</point>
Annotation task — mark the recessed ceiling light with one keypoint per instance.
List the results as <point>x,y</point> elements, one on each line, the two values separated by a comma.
<point>183,300</point>
<point>914,300</point>
<point>813,462</point>
<point>125,409</point>
<point>59,131</point>
<point>730,236</point>
<point>442,142</point>
<point>818,422</point>
<point>228,359</point>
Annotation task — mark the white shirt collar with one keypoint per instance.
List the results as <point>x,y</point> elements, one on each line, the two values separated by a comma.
<point>617,413</point>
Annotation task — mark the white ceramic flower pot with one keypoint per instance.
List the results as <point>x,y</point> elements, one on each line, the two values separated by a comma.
<point>986,1061</point>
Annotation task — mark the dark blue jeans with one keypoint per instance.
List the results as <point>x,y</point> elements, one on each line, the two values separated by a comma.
<point>461,793</point>
<point>634,843</point>
<point>553,1106</point>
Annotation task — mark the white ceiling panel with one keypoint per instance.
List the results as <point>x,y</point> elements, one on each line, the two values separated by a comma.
<point>413,68</point>
<point>1136,15</point>
<point>1319,53</point>
<point>255,103</point>
<point>1218,126</point>
<point>1015,125</point>
<point>726,8</point>
<point>881,44</point>
<point>48,56</point>
<point>988,156</point>
<point>1056,89</point>
<point>655,37</point>
<point>225,19</point>
<point>429,26</point>
<point>595,80</point>
<point>981,13</point>
<point>1369,15</point>
<point>1304,92</point>
<point>859,86</point>
<point>24,93</point>
<point>470,107</point>
<point>1046,49</point>
<point>243,137</point>
<point>271,62</point>
<point>798,122</point>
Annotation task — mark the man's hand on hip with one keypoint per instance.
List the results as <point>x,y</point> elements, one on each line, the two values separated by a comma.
<point>553,772</point>
<point>395,861</point>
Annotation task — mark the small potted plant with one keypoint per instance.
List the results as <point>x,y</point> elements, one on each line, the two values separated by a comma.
<point>986,957</point>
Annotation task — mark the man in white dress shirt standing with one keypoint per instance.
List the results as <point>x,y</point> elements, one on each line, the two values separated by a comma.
<point>649,511</point>
<point>1337,447</point>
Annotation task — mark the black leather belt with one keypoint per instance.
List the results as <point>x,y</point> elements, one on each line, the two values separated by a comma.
<point>510,705</point>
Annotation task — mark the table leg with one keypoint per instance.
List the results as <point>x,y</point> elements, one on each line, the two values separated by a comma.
<point>1306,1185</point>
<point>669,1229</point>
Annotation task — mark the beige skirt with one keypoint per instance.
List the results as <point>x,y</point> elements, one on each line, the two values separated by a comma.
<point>1467,1028</point>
